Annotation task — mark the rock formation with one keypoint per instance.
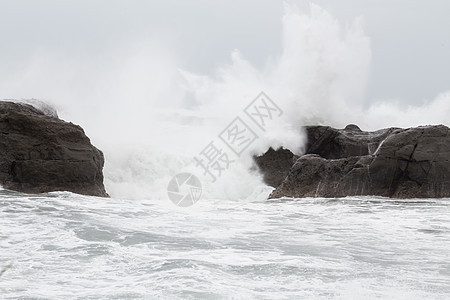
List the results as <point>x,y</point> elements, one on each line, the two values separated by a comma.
<point>41,153</point>
<point>275,165</point>
<point>394,162</point>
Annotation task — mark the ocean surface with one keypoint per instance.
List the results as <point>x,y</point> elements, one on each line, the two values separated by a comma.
<point>66,246</point>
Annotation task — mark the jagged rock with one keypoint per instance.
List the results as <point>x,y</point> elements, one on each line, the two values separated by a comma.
<point>41,153</point>
<point>394,162</point>
<point>331,143</point>
<point>275,165</point>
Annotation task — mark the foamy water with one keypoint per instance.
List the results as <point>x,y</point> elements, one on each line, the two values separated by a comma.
<point>64,245</point>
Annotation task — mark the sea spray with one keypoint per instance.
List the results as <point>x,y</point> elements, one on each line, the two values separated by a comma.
<point>308,81</point>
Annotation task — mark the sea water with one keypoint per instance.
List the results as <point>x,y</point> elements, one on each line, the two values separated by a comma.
<point>66,246</point>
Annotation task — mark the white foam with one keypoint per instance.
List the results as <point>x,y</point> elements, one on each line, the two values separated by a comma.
<point>40,105</point>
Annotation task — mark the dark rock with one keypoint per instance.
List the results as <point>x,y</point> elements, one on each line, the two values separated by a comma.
<point>399,163</point>
<point>41,153</point>
<point>275,165</point>
<point>334,143</point>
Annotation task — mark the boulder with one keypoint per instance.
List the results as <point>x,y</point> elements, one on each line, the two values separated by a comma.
<point>394,162</point>
<point>41,153</point>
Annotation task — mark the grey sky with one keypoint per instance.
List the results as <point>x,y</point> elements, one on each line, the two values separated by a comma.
<point>410,39</point>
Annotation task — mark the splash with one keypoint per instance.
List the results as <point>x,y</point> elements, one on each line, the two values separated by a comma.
<point>323,67</point>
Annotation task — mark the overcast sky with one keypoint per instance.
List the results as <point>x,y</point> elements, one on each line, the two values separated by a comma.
<point>410,38</point>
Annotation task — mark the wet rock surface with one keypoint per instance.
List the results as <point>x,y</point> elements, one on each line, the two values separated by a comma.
<point>41,153</point>
<point>393,162</point>
<point>275,165</point>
